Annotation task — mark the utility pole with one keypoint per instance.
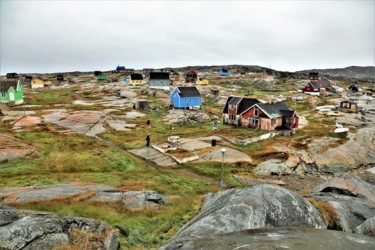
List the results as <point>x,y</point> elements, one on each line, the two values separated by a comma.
<point>223,150</point>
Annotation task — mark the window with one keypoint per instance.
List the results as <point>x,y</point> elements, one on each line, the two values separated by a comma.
<point>232,117</point>
<point>3,94</point>
<point>256,112</point>
<point>197,99</point>
<point>232,106</point>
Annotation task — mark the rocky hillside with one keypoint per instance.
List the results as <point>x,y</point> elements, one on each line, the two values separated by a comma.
<point>355,72</point>
<point>343,204</point>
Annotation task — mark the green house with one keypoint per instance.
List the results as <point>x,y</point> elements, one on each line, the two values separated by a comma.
<point>101,77</point>
<point>11,91</point>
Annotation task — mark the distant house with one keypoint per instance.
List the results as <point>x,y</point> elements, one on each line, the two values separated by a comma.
<point>11,91</point>
<point>186,97</point>
<point>349,104</point>
<point>268,75</point>
<point>166,70</point>
<point>314,76</point>
<point>129,70</point>
<point>191,77</point>
<point>98,73</point>
<point>159,80</point>
<point>120,68</point>
<point>134,79</point>
<point>60,77</point>
<point>353,88</point>
<point>28,78</point>
<point>223,72</point>
<point>40,83</point>
<point>201,81</point>
<point>311,88</point>
<point>249,112</point>
<point>12,75</point>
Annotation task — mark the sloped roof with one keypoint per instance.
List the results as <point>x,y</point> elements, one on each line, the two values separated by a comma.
<point>245,103</point>
<point>6,85</point>
<point>159,75</point>
<point>189,92</point>
<point>276,109</point>
<point>136,76</point>
<point>315,85</point>
<point>235,100</point>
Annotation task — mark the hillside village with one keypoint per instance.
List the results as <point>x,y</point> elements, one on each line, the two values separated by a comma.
<point>160,155</point>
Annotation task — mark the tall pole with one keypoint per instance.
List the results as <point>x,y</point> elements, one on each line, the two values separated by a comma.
<point>222,169</point>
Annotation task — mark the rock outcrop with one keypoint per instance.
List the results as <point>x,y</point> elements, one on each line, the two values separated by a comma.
<point>11,148</point>
<point>278,238</point>
<point>21,229</point>
<point>262,206</point>
<point>135,200</point>
<point>367,227</point>
<point>352,199</point>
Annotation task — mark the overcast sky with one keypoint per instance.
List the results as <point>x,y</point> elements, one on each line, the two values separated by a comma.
<point>58,36</point>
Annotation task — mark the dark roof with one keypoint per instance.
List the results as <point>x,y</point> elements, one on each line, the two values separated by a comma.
<point>315,85</point>
<point>245,103</point>
<point>225,110</point>
<point>6,85</point>
<point>159,75</point>
<point>326,81</point>
<point>275,109</point>
<point>268,72</point>
<point>188,92</point>
<point>136,76</point>
<point>235,100</point>
<point>224,70</point>
<point>287,113</point>
<point>314,74</point>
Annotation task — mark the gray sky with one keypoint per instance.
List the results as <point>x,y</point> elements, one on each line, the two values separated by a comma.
<point>53,36</point>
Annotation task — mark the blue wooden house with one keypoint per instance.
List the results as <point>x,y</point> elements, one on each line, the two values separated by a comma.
<point>186,97</point>
<point>223,72</point>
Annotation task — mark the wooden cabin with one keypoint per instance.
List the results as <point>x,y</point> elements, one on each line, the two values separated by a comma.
<point>223,72</point>
<point>314,76</point>
<point>201,81</point>
<point>159,80</point>
<point>97,73</point>
<point>349,104</point>
<point>11,91</point>
<point>60,77</point>
<point>134,80</point>
<point>311,88</point>
<point>40,83</point>
<point>191,77</point>
<point>268,75</point>
<point>12,75</point>
<point>186,97</point>
<point>235,107</point>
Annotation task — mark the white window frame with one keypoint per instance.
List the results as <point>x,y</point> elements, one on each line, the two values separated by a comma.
<point>3,94</point>
<point>256,111</point>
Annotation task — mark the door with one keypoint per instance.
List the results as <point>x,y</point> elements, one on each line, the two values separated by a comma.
<point>11,96</point>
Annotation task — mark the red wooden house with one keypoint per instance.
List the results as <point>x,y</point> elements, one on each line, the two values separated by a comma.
<point>191,76</point>
<point>249,112</point>
<point>312,88</point>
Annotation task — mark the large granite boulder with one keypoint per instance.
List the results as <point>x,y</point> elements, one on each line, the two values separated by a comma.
<point>21,229</point>
<point>261,206</point>
<point>278,238</point>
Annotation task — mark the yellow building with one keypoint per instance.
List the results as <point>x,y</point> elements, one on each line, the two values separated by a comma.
<point>135,79</point>
<point>201,81</point>
<point>39,83</point>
